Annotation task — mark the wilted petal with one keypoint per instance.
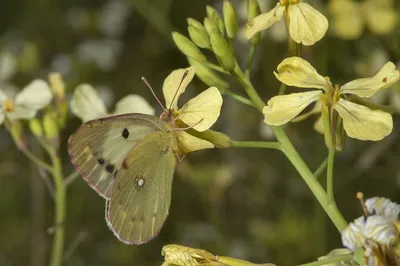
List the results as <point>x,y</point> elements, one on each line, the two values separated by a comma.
<point>188,143</point>
<point>380,229</point>
<point>295,71</point>
<point>186,256</point>
<point>362,123</point>
<point>264,21</point>
<point>202,111</point>
<point>34,96</point>
<point>307,25</point>
<point>366,87</point>
<point>353,237</point>
<point>133,104</point>
<point>86,103</point>
<point>383,207</point>
<point>283,108</point>
<point>176,80</point>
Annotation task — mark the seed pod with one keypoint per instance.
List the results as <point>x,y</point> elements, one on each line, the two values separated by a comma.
<point>187,47</point>
<point>230,19</point>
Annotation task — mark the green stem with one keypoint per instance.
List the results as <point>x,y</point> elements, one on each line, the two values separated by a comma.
<point>329,175</point>
<point>215,67</point>
<point>296,160</point>
<point>252,51</point>
<point>257,144</point>
<point>330,261</point>
<point>321,168</point>
<point>240,98</point>
<point>36,160</point>
<point>282,89</point>
<point>71,178</point>
<point>60,210</point>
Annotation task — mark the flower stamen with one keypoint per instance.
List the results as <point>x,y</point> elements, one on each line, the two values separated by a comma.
<point>8,105</point>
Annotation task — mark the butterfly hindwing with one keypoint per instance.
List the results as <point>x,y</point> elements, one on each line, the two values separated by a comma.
<point>99,147</point>
<point>141,194</point>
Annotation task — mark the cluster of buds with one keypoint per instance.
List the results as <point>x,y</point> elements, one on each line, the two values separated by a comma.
<point>216,34</point>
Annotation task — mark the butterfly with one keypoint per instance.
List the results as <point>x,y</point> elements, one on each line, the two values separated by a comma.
<point>129,159</point>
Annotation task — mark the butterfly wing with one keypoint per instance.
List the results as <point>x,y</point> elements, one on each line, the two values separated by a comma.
<point>99,147</point>
<point>141,194</point>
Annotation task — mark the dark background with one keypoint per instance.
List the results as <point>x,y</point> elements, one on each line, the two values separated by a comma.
<point>246,203</point>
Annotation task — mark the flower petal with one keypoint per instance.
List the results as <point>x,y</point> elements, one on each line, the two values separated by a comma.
<point>366,87</point>
<point>175,85</point>
<point>307,25</point>
<point>3,96</point>
<point>353,237</point>
<point>264,21</point>
<point>188,143</point>
<point>2,116</point>
<point>380,229</point>
<point>86,103</point>
<point>133,104</point>
<point>295,71</point>
<point>35,95</point>
<point>383,207</point>
<point>283,108</point>
<point>362,123</point>
<point>202,111</point>
<point>319,125</point>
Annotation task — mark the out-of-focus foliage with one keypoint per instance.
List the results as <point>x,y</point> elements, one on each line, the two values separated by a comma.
<point>244,203</point>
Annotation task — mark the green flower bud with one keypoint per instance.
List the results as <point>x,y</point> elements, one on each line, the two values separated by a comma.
<point>253,10</point>
<point>327,126</point>
<point>36,127</point>
<point>50,126</point>
<point>208,76</point>
<point>230,18</point>
<point>210,25</point>
<point>17,133</point>
<point>220,140</point>
<point>216,17</point>
<point>187,47</point>
<point>222,51</point>
<point>199,36</point>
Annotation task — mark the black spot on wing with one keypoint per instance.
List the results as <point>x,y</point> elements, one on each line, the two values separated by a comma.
<point>110,168</point>
<point>101,161</point>
<point>125,133</point>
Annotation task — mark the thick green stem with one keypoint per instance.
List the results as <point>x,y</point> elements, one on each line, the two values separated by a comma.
<point>257,144</point>
<point>60,210</point>
<point>329,175</point>
<point>239,98</point>
<point>250,59</point>
<point>296,160</point>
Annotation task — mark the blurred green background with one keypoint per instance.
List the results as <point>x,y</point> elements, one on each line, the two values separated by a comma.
<point>246,203</point>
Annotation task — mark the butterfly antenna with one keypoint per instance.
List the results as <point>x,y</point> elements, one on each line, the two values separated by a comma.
<point>152,91</point>
<point>180,84</point>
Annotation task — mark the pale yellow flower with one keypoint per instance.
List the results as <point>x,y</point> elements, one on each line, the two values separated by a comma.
<point>350,17</point>
<point>306,25</point>
<point>359,121</point>
<point>199,113</point>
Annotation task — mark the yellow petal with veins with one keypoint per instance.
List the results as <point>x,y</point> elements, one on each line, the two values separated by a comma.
<point>188,143</point>
<point>306,24</point>
<point>283,108</point>
<point>362,123</point>
<point>295,71</point>
<point>366,87</point>
<point>175,84</point>
<point>264,21</point>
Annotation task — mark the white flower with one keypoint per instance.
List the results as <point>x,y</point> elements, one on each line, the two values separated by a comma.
<point>26,103</point>
<point>87,104</point>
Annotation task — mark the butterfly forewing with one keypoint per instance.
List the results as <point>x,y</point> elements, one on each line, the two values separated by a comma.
<point>141,193</point>
<point>99,147</point>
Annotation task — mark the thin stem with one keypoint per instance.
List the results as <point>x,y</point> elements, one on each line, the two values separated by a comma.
<point>36,160</point>
<point>215,67</point>
<point>60,209</point>
<point>282,89</point>
<point>329,175</point>
<point>71,178</point>
<point>331,260</point>
<point>75,244</point>
<point>256,144</point>
<point>321,168</point>
<point>293,156</point>
<point>239,98</point>
<point>252,51</point>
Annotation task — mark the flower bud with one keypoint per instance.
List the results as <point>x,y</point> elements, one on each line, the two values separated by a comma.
<point>57,86</point>
<point>220,140</point>
<point>187,47</point>
<point>210,25</point>
<point>199,36</point>
<point>215,16</point>
<point>253,10</point>
<point>16,130</point>
<point>208,76</point>
<point>36,127</point>
<point>222,51</point>
<point>230,18</point>
<point>50,126</point>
